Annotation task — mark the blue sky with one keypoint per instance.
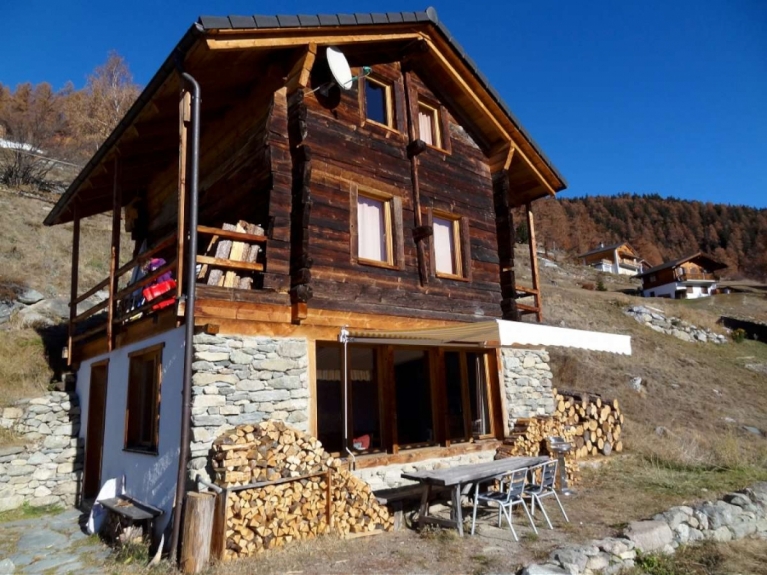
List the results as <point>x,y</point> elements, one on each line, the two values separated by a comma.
<point>652,96</point>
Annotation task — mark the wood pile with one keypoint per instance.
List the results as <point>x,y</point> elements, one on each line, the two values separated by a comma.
<point>590,423</point>
<point>597,422</point>
<point>293,490</point>
<point>227,249</point>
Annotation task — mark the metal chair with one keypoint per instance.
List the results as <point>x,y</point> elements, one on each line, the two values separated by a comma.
<point>512,486</point>
<point>545,488</point>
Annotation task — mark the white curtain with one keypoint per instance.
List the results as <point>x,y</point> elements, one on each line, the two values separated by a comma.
<point>425,129</point>
<point>371,229</point>
<point>444,248</point>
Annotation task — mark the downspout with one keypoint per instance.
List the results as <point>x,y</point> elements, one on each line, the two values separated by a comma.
<point>191,285</point>
<point>343,337</point>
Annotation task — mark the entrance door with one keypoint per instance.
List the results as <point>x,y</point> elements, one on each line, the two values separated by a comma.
<point>94,439</point>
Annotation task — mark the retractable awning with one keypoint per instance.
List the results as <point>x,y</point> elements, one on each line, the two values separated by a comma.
<point>496,333</point>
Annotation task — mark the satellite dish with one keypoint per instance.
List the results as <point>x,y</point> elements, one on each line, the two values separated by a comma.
<point>339,67</point>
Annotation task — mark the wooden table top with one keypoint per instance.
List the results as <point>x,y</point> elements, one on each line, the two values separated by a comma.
<point>474,471</point>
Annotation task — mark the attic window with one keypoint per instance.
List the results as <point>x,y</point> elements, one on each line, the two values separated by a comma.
<point>378,102</point>
<point>428,125</point>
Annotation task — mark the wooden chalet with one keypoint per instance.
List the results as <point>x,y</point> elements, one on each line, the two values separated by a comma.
<point>387,206</point>
<point>686,278</point>
<point>618,258</point>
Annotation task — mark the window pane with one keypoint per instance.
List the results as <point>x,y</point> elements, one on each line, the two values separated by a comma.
<point>413,391</point>
<point>480,411</point>
<point>375,102</point>
<point>455,423</point>
<point>330,415</point>
<point>425,128</point>
<point>444,248</point>
<point>371,229</point>
<point>363,380</point>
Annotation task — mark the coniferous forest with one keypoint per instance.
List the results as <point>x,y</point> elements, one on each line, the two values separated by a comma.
<point>660,229</point>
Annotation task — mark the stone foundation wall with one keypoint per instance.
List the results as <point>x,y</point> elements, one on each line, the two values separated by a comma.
<point>389,476</point>
<point>238,380</point>
<point>527,383</point>
<point>46,469</point>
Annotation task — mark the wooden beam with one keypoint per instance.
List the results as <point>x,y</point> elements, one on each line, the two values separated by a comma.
<point>534,262</point>
<point>73,285</point>
<point>184,118</point>
<point>114,259</point>
<point>501,157</point>
<point>253,40</point>
<point>298,78</point>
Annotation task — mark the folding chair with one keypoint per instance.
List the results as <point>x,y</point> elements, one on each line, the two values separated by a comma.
<point>514,483</point>
<point>537,491</point>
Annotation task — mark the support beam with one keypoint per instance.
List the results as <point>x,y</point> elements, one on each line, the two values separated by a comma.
<point>184,118</point>
<point>298,77</point>
<point>114,258</point>
<point>506,235</point>
<point>73,288</point>
<point>239,41</point>
<point>414,148</point>
<point>534,262</point>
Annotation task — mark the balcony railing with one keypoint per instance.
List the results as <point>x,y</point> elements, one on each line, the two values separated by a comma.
<point>696,276</point>
<point>134,301</point>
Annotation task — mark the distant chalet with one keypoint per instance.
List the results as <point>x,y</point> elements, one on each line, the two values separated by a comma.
<point>686,278</point>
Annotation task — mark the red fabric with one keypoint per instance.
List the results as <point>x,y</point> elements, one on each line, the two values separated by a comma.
<point>156,290</point>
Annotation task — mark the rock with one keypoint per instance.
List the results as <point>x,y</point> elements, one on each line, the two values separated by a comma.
<point>51,308</point>
<point>739,499</point>
<point>722,535</point>
<point>743,528</point>
<point>636,383</point>
<point>720,513</point>
<point>682,533</point>
<point>7,567</point>
<point>572,558</point>
<point>751,429</point>
<point>11,413</point>
<point>649,535</point>
<point>29,296</point>
<point>675,516</point>
<point>12,502</point>
<point>597,562</point>
<point>544,570</point>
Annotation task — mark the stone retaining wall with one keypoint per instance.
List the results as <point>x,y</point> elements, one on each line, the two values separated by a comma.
<point>47,469</point>
<point>239,380</point>
<point>735,516</point>
<point>389,476</point>
<point>683,330</point>
<point>527,383</point>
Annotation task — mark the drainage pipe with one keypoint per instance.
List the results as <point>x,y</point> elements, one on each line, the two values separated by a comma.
<point>191,284</point>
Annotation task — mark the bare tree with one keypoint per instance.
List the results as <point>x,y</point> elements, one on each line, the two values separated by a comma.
<point>95,110</point>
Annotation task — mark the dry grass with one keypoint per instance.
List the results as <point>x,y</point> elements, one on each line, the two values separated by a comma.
<point>707,558</point>
<point>24,370</point>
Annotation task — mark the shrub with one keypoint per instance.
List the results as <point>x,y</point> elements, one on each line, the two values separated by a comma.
<point>588,285</point>
<point>739,335</point>
<point>601,284</point>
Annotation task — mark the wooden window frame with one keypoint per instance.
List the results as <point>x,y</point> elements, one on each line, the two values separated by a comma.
<point>461,243</point>
<point>436,124</point>
<point>395,245</point>
<point>387,401</point>
<point>389,89</point>
<point>153,448</point>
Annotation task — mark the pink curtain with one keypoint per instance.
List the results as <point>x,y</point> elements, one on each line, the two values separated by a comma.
<point>371,229</point>
<point>444,248</point>
<point>425,129</point>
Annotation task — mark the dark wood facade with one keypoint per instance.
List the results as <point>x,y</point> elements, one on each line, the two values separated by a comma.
<point>283,148</point>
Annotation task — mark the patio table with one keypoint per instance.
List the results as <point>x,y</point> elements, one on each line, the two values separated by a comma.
<point>459,477</point>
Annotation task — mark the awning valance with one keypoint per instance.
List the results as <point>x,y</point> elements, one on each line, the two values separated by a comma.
<point>497,333</point>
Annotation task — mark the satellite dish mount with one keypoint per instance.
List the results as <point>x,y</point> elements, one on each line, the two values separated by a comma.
<point>341,72</point>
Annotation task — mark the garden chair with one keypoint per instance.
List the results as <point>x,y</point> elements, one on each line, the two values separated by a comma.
<point>508,495</point>
<point>541,485</point>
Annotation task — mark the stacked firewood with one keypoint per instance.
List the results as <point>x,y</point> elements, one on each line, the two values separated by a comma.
<point>591,424</point>
<point>597,422</point>
<point>530,437</point>
<point>233,250</point>
<point>298,490</point>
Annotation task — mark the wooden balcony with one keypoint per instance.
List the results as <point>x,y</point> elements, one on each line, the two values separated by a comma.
<point>132,300</point>
<point>696,276</point>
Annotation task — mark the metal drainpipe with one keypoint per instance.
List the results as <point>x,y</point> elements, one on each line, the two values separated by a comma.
<point>191,279</point>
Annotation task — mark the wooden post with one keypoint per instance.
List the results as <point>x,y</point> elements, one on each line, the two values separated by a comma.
<point>114,258</point>
<point>73,288</point>
<point>184,117</point>
<point>198,530</point>
<point>534,262</point>
<point>218,537</point>
<point>506,236</point>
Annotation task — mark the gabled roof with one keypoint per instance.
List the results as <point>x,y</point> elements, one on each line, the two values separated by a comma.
<point>609,248</point>
<point>91,185</point>
<point>709,262</point>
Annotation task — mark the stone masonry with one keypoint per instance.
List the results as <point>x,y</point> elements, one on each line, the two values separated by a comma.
<point>527,383</point>
<point>46,468</point>
<point>238,380</point>
<point>736,516</point>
